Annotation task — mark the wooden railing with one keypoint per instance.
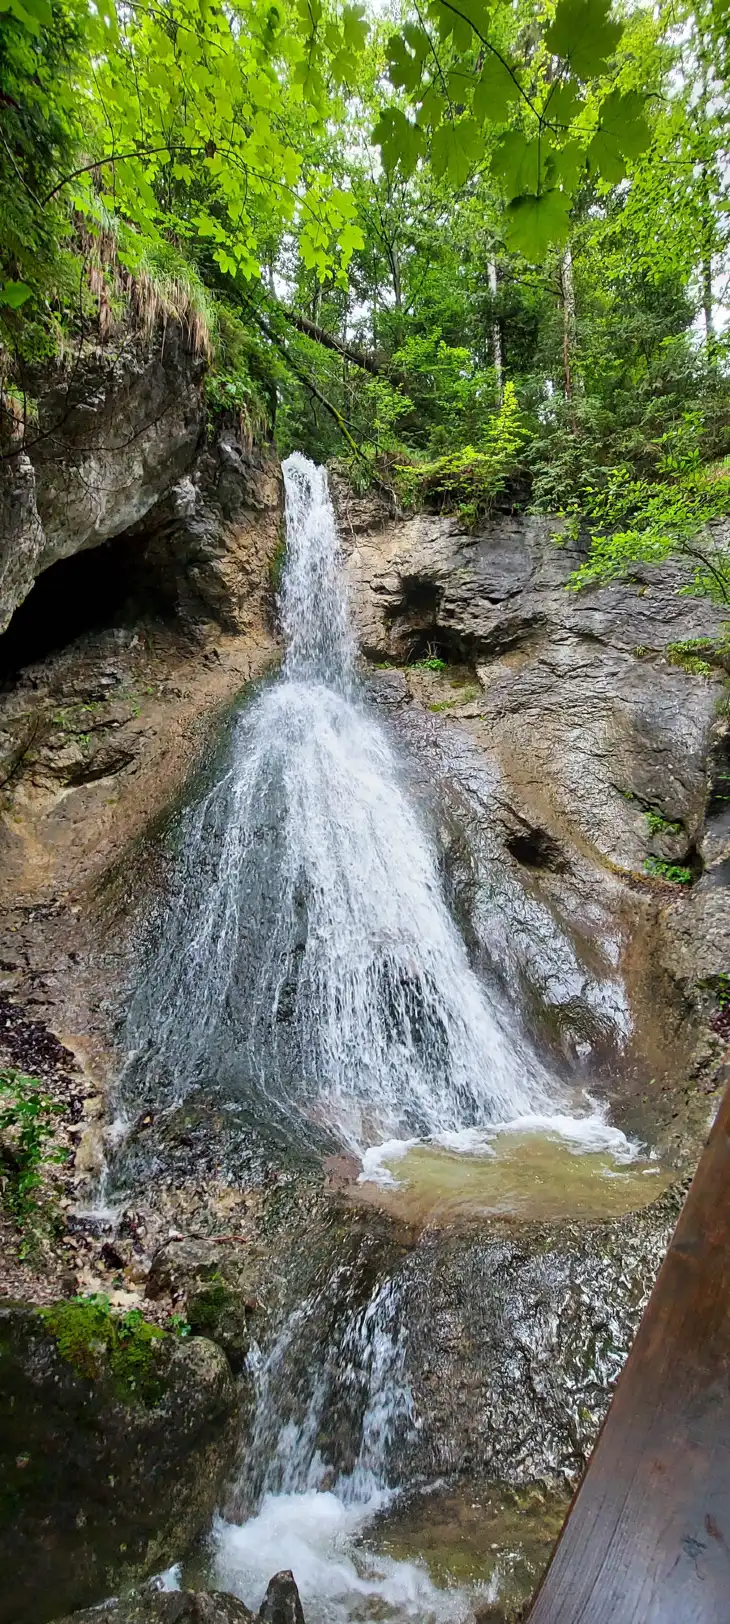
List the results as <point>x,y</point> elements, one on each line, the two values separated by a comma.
<point>647,1539</point>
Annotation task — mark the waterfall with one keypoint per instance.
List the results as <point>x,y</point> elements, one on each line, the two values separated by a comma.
<point>309,1510</point>
<point>306,965</point>
<point>308,959</point>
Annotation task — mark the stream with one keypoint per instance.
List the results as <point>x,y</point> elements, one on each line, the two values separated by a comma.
<point>309,963</point>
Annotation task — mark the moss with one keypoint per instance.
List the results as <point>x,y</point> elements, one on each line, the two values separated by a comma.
<point>276,564</point>
<point>207,1305</point>
<point>659,825</point>
<point>121,1348</point>
<point>701,656</point>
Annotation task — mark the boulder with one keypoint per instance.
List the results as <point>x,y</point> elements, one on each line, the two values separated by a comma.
<point>149,1605</point>
<point>152,1606</point>
<point>282,1603</point>
<point>215,1284</point>
<point>117,1440</point>
<point>125,448</point>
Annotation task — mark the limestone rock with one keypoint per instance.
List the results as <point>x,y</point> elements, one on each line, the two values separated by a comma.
<point>569,750</point>
<point>109,1472</point>
<point>282,1603</point>
<point>152,1606</point>
<point>113,433</point>
<point>123,449</point>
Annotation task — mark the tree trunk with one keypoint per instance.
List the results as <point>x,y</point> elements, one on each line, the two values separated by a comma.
<point>496,330</point>
<point>567,287</point>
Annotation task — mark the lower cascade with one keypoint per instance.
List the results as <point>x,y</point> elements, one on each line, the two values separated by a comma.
<point>308,965</point>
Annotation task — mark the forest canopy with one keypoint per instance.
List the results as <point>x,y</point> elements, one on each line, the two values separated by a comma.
<point>475,250</point>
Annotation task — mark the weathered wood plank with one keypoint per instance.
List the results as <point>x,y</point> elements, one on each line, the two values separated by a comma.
<point>647,1540</point>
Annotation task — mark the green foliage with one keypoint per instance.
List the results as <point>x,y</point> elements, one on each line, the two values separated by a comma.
<point>640,521</point>
<point>461,73</point>
<point>720,986</point>
<point>101,1345</point>
<point>432,662</point>
<point>470,479</point>
<point>675,873</point>
<point>702,656</point>
<point>243,376</point>
<point>659,825</point>
<point>28,1121</point>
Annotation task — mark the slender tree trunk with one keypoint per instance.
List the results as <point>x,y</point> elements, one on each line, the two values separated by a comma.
<point>567,287</point>
<point>707,297</point>
<point>496,330</point>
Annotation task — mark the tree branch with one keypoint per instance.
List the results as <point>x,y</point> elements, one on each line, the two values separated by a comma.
<point>359,358</point>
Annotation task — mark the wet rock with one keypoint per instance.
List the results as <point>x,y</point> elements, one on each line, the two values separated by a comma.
<point>516,1337</point>
<point>282,1603</point>
<point>568,751</point>
<point>112,438</point>
<point>216,1284</point>
<point>116,1442</point>
<point>152,1606</point>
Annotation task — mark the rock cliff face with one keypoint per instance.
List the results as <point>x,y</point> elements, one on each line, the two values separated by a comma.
<point>124,446</point>
<point>149,529</point>
<point>571,750</point>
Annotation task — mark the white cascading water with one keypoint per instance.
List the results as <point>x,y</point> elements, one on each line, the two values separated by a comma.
<point>308,1515</point>
<point>310,955</point>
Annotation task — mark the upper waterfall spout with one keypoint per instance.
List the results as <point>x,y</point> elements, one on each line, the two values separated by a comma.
<point>319,641</point>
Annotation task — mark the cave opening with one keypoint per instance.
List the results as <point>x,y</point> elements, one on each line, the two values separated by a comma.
<point>113,585</point>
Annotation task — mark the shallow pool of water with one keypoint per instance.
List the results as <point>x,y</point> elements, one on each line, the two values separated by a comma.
<point>533,1176</point>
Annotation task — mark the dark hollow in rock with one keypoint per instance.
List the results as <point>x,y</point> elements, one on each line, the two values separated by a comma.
<point>110,585</point>
<point>535,848</point>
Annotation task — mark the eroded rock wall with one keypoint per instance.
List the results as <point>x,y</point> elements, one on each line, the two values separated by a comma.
<point>571,749</point>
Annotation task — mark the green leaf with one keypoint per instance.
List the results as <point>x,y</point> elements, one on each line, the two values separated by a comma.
<point>40,11</point>
<point>495,92</point>
<point>404,70</point>
<point>534,223</point>
<point>448,24</point>
<point>401,143</point>
<point>345,68</point>
<point>568,164</point>
<point>562,104</point>
<point>622,133</point>
<point>434,108</point>
<point>455,148</point>
<point>14,294</point>
<point>584,34</point>
<point>354,27</point>
<point>520,163</point>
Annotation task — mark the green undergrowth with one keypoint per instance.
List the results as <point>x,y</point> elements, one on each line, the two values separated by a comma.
<point>28,1123</point>
<point>99,1344</point>
<point>675,873</point>
<point>468,480</point>
<point>702,656</point>
<point>659,825</point>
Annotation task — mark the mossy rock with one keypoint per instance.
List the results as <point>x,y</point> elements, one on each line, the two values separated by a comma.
<point>151,1606</point>
<point>125,1351</point>
<point>115,1446</point>
<point>218,1311</point>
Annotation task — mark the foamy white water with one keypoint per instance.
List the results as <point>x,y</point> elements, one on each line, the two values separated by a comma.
<point>309,1513</point>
